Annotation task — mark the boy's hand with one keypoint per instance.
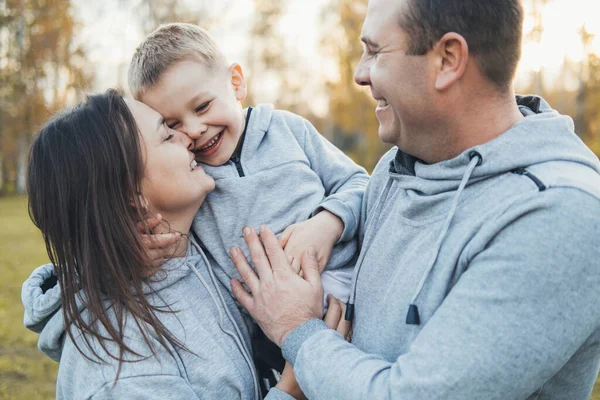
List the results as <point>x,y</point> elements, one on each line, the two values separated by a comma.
<point>321,232</point>
<point>157,245</point>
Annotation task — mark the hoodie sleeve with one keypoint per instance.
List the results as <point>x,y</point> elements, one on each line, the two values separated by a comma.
<point>344,181</point>
<point>527,304</point>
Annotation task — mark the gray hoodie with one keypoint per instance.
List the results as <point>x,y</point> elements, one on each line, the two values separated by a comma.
<point>284,173</point>
<point>207,322</point>
<point>478,276</point>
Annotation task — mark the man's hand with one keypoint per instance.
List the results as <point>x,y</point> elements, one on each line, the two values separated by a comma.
<point>157,245</point>
<point>321,232</point>
<point>280,300</point>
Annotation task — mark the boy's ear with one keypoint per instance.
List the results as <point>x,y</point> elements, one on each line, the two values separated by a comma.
<point>238,81</point>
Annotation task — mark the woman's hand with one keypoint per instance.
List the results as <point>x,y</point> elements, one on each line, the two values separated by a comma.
<point>321,232</point>
<point>289,384</point>
<point>334,320</point>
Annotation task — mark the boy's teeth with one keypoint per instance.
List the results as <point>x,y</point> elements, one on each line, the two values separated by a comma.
<point>382,103</point>
<point>211,143</point>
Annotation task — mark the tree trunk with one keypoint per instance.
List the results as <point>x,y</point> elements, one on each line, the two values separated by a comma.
<point>22,162</point>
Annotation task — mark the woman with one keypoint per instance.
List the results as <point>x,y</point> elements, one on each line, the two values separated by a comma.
<point>133,330</point>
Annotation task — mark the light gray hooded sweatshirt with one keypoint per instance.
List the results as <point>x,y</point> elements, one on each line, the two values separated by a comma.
<point>207,322</point>
<point>497,250</point>
<point>283,173</point>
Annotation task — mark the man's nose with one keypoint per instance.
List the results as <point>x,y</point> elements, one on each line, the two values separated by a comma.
<point>361,75</point>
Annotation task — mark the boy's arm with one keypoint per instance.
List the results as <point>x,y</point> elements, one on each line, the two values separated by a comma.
<point>344,181</point>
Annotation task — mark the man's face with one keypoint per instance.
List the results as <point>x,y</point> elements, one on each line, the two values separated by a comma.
<point>398,81</point>
<point>204,104</point>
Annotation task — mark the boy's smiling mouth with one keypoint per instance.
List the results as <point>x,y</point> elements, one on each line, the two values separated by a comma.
<point>211,146</point>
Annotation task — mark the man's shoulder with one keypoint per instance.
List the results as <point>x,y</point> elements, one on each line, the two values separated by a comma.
<point>567,175</point>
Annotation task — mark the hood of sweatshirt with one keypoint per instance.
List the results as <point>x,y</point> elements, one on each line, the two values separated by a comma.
<point>40,295</point>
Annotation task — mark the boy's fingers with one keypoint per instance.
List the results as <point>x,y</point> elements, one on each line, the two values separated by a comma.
<point>334,312</point>
<point>285,236</point>
<point>160,241</point>
<point>245,298</point>
<point>257,253</point>
<point>246,273</point>
<point>150,223</point>
<point>310,267</point>
<point>276,255</point>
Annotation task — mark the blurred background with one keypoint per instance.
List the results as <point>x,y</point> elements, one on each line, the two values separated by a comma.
<point>298,54</point>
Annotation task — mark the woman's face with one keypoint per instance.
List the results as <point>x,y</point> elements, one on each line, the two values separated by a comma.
<point>172,182</point>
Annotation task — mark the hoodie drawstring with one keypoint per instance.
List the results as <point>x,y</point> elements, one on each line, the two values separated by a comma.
<point>412,317</point>
<point>373,223</point>
<point>236,337</point>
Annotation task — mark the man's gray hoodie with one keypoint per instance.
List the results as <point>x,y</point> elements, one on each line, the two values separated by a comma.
<point>207,321</point>
<point>478,278</point>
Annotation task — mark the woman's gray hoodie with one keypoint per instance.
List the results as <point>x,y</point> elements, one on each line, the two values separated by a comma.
<point>207,322</point>
<point>478,278</point>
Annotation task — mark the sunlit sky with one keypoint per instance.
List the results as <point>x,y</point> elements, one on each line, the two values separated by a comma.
<point>110,33</point>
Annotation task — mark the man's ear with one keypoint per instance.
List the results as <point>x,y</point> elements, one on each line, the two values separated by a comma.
<point>452,53</point>
<point>238,81</point>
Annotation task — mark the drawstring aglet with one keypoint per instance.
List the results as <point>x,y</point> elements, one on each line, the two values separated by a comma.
<point>412,317</point>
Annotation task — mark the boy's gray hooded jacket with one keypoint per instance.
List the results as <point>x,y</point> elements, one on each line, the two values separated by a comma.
<point>284,173</point>
<point>207,322</point>
<point>497,250</point>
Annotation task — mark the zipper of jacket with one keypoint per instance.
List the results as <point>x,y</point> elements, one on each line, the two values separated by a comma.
<point>237,156</point>
<point>535,179</point>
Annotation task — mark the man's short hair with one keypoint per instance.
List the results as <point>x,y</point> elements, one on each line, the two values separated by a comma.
<point>492,28</point>
<point>166,46</point>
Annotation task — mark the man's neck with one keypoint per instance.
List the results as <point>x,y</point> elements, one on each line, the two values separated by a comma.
<point>469,125</point>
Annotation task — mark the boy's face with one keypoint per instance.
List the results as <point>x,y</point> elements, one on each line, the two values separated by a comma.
<point>203,103</point>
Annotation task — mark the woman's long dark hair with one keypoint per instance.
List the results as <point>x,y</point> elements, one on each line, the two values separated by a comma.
<point>83,180</point>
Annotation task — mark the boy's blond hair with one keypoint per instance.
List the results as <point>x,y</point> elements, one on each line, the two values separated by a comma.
<point>168,45</point>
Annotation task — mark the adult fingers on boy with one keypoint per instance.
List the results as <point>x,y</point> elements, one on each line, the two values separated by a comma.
<point>246,272</point>
<point>277,257</point>
<point>257,253</point>
<point>245,298</point>
<point>310,268</point>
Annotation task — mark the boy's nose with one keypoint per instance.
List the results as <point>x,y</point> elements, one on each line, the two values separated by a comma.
<point>196,130</point>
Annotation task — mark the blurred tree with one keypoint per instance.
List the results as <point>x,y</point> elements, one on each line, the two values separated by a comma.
<point>267,62</point>
<point>41,71</point>
<point>352,117</point>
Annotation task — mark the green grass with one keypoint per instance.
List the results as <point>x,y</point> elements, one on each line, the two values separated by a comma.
<point>25,373</point>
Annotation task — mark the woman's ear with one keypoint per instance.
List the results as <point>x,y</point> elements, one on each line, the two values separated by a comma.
<point>238,81</point>
<point>452,53</point>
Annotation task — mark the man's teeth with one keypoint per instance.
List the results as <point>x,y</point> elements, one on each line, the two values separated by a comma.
<point>211,143</point>
<point>382,103</point>
<point>193,165</point>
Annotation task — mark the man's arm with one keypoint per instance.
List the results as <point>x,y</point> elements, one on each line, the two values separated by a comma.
<point>526,304</point>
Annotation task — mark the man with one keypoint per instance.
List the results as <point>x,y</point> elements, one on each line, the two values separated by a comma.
<point>478,276</point>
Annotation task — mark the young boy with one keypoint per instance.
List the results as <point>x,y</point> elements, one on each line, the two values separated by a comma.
<point>271,167</point>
